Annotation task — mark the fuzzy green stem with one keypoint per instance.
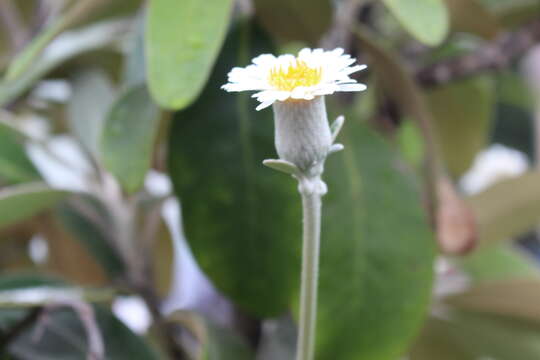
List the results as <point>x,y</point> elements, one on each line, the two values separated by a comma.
<point>311,204</point>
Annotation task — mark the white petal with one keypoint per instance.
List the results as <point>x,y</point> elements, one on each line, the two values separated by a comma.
<point>337,51</point>
<point>352,87</point>
<point>353,69</point>
<point>305,52</point>
<point>285,60</point>
<point>264,59</point>
<point>299,93</point>
<point>235,87</point>
<point>283,95</point>
<point>271,95</point>
<point>326,89</point>
<point>264,105</point>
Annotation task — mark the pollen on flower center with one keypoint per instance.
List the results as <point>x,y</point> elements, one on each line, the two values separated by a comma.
<point>297,74</point>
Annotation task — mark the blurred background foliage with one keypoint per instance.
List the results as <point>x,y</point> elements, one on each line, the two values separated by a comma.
<point>136,220</point>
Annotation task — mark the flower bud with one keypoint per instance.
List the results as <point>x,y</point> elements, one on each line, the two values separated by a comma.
<point>302,133</point>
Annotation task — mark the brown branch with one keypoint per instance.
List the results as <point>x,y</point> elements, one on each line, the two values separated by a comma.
<point>496,55</point>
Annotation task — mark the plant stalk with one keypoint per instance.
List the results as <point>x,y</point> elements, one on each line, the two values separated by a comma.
<point>311,207</point>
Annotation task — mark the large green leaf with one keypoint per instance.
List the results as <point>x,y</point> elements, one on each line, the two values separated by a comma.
<point>15,166</point>
<point>20,202</point>
<point>426,20</point>
<point>242,220</point>
<point>182,41</point>
<point>461,120</point>
<point>376,256</point>
<point>299,20</point>
<point>128,137</point>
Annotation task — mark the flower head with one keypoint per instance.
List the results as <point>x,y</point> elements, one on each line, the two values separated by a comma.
<point>312,73</point>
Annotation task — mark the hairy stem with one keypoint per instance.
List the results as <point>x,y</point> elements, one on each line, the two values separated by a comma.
<point>311,206</point>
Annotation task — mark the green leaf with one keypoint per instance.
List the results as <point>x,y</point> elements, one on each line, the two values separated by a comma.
<point>15,166</point>
<point>242,220</point>
<point>458,120</point>
<point>512,90</point>
<point>92,236</point>
<point>65,47</point>
<point>64,337</point>
<point>114,9</point>
<point>128,137</point>
<point>183,39</point>
<point>507,209</point>
<point>377,253</point>
<point>134,67</point>
<point>92,96</point>
<point>12,281</point>
<point>17,203</point>
<point>25,59</point>
<point>46,295</point>
<point>502,261</point>
<point>20,290</point>
<point>426,20</point>
<point>410,142</point>
<point>300,20</point>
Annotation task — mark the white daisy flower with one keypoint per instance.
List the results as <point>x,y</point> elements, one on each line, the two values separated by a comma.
<point>310,74</point>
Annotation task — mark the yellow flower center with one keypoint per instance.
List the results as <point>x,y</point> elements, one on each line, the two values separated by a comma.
<point>297,74</point>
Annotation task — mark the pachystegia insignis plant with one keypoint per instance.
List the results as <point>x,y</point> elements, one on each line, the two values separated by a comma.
<point>296,87</point>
